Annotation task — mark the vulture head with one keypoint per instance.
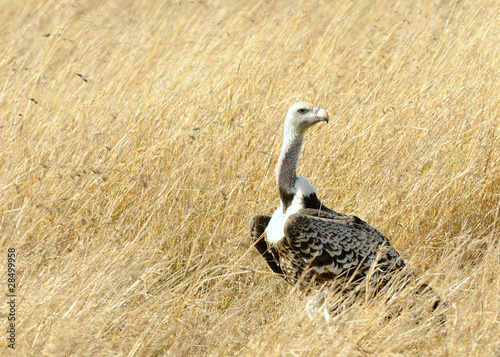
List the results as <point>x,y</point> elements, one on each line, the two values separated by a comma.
<point>301,116</point>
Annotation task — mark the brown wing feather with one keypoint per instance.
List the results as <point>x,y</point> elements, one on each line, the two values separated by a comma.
<point>322,246</point>
<point>258,225</point>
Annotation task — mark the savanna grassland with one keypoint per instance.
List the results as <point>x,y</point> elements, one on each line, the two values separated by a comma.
<point>137,138</point>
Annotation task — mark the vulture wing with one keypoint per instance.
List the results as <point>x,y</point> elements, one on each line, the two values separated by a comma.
<point>323,246</point>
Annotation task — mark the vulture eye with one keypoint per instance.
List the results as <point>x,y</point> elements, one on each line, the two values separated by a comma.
<point>302,111</point>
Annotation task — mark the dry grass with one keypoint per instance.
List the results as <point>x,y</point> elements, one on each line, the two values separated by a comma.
<point>127,189</point>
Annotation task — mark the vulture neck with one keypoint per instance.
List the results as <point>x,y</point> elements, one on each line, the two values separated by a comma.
<point>286,170</point>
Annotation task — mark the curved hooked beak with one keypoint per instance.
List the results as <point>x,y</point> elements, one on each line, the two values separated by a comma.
<point>321,113</point>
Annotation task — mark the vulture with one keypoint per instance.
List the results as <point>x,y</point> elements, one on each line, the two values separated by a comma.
<point>306,242</point>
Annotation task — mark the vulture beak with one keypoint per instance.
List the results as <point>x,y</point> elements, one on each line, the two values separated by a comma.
<point>321,113</point>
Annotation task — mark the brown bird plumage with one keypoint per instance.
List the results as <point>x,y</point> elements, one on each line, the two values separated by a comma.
<point>304,240</point>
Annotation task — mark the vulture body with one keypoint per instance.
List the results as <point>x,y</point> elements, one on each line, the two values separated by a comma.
<point>306,242</point>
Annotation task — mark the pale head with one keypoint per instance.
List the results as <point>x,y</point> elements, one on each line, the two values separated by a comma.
<point>303,115</point>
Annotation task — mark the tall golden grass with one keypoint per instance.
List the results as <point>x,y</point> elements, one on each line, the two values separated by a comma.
<point>137,138</point>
